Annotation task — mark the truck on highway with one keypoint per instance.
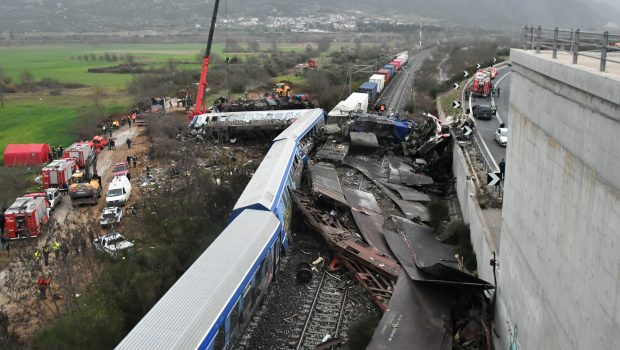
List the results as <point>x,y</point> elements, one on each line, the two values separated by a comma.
<point>481,85</point>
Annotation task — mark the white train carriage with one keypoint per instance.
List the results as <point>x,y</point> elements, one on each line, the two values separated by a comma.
<point>212,303</point>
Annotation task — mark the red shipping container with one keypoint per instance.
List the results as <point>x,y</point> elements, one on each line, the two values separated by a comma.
<point>387,75</point>
<point>396,64</point>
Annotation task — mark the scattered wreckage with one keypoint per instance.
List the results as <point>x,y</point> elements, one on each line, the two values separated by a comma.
<point>416,280</point>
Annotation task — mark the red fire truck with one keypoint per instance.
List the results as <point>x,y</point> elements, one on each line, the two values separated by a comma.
<point>24,218</point>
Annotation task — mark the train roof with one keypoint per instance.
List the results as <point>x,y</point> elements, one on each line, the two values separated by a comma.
<point>301,126</point>
<point>267,184</point>
<point>195,304</point>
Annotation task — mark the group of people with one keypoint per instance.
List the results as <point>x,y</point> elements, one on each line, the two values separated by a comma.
<point>130,160</point>
<point>56,152</point>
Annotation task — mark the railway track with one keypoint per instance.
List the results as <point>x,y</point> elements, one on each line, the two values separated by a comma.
<point>324,313</point>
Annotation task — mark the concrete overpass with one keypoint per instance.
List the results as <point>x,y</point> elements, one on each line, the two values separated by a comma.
<point>559,260</point>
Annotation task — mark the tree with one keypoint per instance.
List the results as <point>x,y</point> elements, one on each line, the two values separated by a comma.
<point>253,45</point>
<point>324,43</point>
<point>26,77</point>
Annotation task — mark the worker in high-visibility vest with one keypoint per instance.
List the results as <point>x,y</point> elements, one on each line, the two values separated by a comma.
<point>36,256</point>
<point>56,249</point>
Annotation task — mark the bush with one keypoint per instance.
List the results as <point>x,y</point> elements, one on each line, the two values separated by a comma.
<point>460,235</point>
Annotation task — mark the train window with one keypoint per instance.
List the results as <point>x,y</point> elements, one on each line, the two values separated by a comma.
<point>220,338</point>
<point>247,303</point>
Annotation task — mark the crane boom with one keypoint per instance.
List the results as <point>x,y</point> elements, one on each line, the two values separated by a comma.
<point>199,108</point>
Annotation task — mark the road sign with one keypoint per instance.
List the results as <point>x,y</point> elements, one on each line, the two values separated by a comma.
<point>467,131</point>
<point>493,179</point>
<point>456,86</point>
<point>466,73</point>
<point>456,104</point>
<point>478,66</point>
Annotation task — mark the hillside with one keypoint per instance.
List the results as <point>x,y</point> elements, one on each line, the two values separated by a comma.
<point>184,15</point>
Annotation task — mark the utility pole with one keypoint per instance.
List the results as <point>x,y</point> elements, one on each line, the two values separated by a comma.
<point>228,78</point>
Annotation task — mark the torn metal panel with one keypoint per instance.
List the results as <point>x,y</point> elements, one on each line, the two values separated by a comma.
<point>367,215</point>
<point>418,317</point>
<point>412,179</point>
<point>364,139</point>
<point>325,181</point>
<point>412,210</point>
<point>435,260</point>
<point>333,152</point>
<point>366,166</point>
<point>407,193</point>
<point>361,199</point>
<point>370,226</point>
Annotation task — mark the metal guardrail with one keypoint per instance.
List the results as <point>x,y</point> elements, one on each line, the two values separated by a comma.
<point>580,43</point>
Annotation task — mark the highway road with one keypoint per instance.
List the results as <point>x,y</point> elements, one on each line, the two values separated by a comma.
<point>400,91</point>
<point>487,128</point>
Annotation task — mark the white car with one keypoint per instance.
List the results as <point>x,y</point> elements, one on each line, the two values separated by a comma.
<point>501,136</point>
<point>114,244</point>
<point>119,191</point>
<point>53,197</point>
<point>111,216</point>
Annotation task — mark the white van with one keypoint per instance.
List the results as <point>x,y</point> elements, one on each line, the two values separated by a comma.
<point>119,191</point>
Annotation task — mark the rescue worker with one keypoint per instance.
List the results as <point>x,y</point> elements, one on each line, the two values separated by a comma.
<point>46,255</point>
<point>502,168</point>
<point>56,249</point>
<point>43,284</point>
<point>36,256</point>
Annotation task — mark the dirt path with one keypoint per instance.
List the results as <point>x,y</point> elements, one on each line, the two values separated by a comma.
<point>18,292</point>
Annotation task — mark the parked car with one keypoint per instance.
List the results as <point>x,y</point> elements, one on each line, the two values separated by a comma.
<point>114,244</point>
<point>119,192</point>
<point>501,136</point>
<point>111,216</point>
<point>121,168</point>
<point>483,112</point>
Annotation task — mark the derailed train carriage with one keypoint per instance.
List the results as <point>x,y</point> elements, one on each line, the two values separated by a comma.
<point>210,306</point>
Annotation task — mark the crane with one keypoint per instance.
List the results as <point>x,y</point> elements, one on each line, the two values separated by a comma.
<point>202,83</point>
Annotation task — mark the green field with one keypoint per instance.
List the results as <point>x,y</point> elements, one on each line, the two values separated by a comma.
<point>60,61</point>
<point>41,118</point>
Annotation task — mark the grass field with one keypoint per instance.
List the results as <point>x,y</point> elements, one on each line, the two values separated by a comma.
<point>41,118</point>
<point>60,61</point>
